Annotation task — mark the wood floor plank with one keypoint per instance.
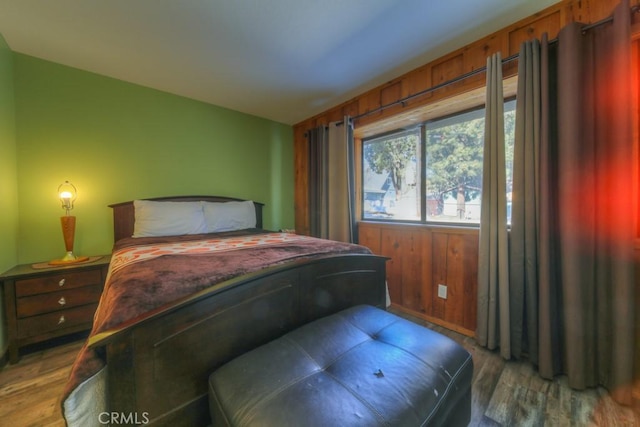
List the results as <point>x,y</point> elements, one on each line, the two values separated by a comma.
<point>21,398</point>
<point>10,375</point>
<point>31,383</point>
<point>486,373</point>
<point>506,395</point>
<point>56,360</point>
<point>530,410</point>
<point>558,408</point>
<point>582,406</point>
<point>30,390</point>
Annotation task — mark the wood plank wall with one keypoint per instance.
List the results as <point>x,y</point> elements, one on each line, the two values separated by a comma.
<point>422,256</point>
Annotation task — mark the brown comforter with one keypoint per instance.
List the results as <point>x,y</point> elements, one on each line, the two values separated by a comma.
<point>134,289</point>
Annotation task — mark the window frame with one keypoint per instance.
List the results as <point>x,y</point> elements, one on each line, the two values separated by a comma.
<point>422,125</point>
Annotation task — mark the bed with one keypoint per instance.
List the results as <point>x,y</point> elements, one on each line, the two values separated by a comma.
<point>175,307</point>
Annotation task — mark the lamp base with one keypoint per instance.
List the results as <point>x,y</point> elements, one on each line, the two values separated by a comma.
<point>69,258</point>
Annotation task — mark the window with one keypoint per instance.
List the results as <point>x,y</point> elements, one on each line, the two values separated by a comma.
<point>392,175</point>
<point>433,172</point>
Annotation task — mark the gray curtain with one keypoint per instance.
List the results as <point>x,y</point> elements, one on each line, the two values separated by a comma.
<point>551,338</point>
<point>595,209</point>
<point>332,182</point>
<point>525,199</point>
<point>493,329</point>
<point>317,139</point>
<point>572,270</point>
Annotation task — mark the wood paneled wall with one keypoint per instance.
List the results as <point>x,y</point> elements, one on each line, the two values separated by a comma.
<point>422,257</point>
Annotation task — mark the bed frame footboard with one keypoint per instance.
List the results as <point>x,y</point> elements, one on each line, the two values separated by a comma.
<point>158,364</point>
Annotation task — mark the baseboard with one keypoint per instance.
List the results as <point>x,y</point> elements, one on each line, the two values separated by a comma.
<point>436,321</point>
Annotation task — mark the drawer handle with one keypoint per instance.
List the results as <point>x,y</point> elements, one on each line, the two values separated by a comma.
<point>61,282</point>
<point>61,320</point>
<point>62,301</point>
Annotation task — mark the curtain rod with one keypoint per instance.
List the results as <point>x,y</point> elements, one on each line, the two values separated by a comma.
<point>432,88</point>
<point>634,9</point>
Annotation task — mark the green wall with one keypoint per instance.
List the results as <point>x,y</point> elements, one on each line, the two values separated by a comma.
<point>8,175</point>
<point>117,141</point>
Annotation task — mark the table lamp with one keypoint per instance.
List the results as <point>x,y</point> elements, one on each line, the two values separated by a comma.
<point>68,194</point>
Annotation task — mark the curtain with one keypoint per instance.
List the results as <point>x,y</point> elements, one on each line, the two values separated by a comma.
<point>595,208</point>
<point>551,339</point>
<point>332,182</point>
<point>571,257</point>
<point>525,199</point>
<point>493,269</point>
<point>317,139</point>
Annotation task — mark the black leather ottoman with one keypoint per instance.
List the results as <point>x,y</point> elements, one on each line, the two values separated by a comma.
<point>361,366</point>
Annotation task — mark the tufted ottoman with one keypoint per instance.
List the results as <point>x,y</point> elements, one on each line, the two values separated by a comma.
<point>361,366</point>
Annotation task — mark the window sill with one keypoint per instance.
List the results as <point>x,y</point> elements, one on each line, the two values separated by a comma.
<point>432,226</point>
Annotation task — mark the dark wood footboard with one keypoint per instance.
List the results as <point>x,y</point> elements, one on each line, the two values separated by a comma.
<point>158,364</point>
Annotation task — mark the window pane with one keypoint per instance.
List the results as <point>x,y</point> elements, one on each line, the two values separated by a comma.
<point>454,167</point>
<point>509,135</point>
<point>391,177</point>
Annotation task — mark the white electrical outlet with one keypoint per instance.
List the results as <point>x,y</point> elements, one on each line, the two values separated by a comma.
<point>442,291</point>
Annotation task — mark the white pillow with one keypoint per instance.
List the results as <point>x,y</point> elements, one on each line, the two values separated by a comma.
<point>229,216</point>
<point>167,218</point>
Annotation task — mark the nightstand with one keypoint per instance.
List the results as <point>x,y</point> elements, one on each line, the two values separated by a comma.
<point>47,302</point>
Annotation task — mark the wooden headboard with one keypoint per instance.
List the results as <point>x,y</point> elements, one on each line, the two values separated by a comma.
<point>124,213</point>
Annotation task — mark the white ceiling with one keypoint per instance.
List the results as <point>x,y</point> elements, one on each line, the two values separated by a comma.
<point>284,60</point>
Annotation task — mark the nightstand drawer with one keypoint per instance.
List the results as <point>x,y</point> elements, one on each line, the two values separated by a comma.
<point>57,282</point>
<point>55,321</point>
<point>56,301</point>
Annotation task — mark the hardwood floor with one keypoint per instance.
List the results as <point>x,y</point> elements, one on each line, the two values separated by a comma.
<point>504,393</point>
<point>30,390</point>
